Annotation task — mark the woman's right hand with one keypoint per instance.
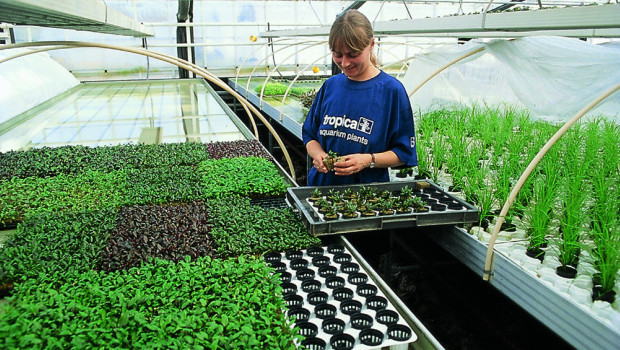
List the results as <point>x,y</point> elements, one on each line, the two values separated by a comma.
<point>317,162</point>
<point>317,153</point>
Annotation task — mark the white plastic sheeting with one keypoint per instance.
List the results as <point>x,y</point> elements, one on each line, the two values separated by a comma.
<point>30,80</point>
<point>552,77</point>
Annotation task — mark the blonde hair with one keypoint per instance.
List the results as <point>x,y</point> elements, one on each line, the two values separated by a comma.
<point>352,30</point>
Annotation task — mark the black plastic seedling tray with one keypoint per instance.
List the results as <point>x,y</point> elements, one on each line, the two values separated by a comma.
<point>442,209</point>
<point>334,303</point>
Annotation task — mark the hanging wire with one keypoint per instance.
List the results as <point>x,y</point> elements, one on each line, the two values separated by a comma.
<point>273,56</point>
<point>315,14</point>
<point>484,14</point>
<point>378,12</point>
<point>407,8</point>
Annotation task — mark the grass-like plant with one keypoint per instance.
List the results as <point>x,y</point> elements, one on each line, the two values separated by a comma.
<point>575,191</point>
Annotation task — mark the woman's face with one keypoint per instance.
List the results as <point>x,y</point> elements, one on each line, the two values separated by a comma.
<point>355,65</point>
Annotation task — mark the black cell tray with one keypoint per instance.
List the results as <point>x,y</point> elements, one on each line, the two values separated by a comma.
<point>317,225</point>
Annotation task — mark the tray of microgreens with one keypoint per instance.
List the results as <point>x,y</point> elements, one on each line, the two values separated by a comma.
<point>378,206</point>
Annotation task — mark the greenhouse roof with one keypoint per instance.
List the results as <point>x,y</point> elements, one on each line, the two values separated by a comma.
<point>88,15</point>
<point>581,21</point>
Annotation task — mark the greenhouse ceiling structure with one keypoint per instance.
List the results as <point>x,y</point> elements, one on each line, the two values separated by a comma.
<point>154,178</point>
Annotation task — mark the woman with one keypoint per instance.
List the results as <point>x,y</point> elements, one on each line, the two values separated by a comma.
<point>363,114</point>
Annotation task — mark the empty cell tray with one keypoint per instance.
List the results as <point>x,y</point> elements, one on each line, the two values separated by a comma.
<point>440,207</point>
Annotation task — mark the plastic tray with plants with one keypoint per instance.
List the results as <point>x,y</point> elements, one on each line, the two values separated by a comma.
<point>339,209</point>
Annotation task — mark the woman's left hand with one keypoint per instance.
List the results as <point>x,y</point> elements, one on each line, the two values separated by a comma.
<point>352,164</point>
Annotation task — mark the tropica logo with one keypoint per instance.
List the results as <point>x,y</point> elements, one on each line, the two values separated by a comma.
<point>364,124</point>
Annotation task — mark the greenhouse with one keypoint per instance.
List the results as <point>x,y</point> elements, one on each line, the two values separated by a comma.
<point>158,184</point>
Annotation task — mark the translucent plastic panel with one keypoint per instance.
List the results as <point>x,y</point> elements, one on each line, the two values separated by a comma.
<point>118,112</point>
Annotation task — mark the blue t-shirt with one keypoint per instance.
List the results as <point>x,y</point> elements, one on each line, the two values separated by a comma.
<point>370,116</point>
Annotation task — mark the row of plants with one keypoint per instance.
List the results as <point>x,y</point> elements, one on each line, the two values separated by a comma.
<point>279,89</point>
<point>238,148</point>
<point>572,197</point>
<point>110,240</point>
<point>201,303</point>
<point>241,176</point>
<point>368,202</point>
<point>148,257</point>
<point>77,159</point>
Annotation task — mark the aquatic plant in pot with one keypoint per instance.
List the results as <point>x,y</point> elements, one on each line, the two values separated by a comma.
<point>404,205</point>
<point>570,232</point>
<point>385,206</point>
<point>322,205</point>
<point>418,205</point>
<point>572,213</point>
<point>605,232</point>
<point>538,214</point>
<point>331,213</point>
<point>315,195</point>
<point>370,209</point>
<point>349,210</point>
<point>607,262</point>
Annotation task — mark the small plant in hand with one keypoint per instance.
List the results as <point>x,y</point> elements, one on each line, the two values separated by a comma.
<point>331,159</point>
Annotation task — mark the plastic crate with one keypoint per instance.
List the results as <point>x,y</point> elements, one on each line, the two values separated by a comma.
<point>442,208</point>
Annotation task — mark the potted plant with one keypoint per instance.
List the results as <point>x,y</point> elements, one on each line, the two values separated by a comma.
<point>322,205</point>
<point>366,192</point>
<point>406,192</point>
<point>369,210</point>
<point>316,195</point>
<point>349,210</point>
<point>418,205</point>
<point>349,194</point>
<point>385,206</point>
<point>402,173</point>
<point>404,206</point>
<point>331,213</point>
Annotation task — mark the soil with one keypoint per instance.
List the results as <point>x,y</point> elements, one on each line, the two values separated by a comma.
<point>460,309</point>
